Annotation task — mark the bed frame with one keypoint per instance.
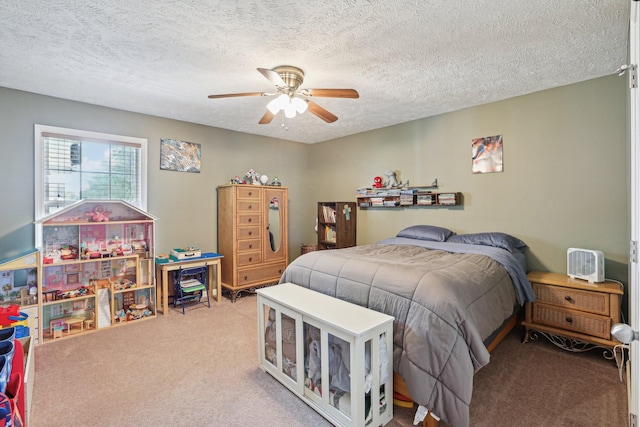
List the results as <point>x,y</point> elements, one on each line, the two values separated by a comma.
<point>400,387</point>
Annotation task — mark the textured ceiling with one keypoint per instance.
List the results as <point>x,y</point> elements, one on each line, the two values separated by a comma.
<point>408,59</point>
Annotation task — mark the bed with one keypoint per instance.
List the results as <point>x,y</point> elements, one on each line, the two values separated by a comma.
<point>450,294</point>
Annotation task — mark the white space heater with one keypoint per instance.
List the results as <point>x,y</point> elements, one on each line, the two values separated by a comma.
<point>585,264</point>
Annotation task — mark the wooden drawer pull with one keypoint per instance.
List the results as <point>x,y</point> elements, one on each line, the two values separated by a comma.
<point>250,233</point>
<point>249,219</point>
<point>251,246</point>
<point>569,320</point>
<point>250,259</point>
<point>250,206</point>
<point>568,298</point>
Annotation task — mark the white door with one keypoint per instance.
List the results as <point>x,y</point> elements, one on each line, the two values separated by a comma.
<point>634,288</point>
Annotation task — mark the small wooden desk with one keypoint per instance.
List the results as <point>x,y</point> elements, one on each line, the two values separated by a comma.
<point>164,266</point>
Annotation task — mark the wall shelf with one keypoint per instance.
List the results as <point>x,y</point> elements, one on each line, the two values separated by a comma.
<point>406,197</point>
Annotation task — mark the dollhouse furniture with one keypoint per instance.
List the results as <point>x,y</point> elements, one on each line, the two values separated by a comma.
<point>88,323</point>
<point>49,294</point>
<point>57,322</point>
<point>306,339</point>
<point>190,286</point>
<point>164,266</point>
<point>98,264</point>
<point>25,298</point>
<point>74,321</point>
<point>57,331</point>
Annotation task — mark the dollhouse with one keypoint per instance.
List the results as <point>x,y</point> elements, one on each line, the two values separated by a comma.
<point>97,267</point>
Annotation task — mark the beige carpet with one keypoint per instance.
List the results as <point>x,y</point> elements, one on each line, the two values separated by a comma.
<point>201,369</point>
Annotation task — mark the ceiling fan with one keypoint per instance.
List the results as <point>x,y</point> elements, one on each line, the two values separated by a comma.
<point>290,98</point>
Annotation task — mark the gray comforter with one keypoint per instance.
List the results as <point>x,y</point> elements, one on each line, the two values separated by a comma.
<point>445,304</point>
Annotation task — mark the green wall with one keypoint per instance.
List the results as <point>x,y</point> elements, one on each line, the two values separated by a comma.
<point>565,179</point>
<point>185,203</point>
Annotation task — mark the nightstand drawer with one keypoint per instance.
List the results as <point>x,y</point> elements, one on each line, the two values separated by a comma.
<point>592,302</point>
<point>571,320</point>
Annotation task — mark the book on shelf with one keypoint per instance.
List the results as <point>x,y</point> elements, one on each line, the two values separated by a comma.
<point>329,234</point>
<point>328,213</point>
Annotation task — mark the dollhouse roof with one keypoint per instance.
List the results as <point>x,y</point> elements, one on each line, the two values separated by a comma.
<point>24,259</point>
<point>89,211</point>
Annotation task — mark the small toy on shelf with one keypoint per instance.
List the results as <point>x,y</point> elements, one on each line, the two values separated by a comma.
<point>252,177</point>
<point>276,182</point>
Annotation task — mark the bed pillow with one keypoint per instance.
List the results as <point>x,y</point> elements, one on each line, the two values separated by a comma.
<point>495,239</point>
<point>426,232</point>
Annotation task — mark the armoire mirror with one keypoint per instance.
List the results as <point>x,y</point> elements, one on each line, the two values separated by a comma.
<point>275,234</point>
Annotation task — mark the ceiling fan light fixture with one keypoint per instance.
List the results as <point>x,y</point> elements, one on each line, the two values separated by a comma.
<point>290,111</point>
<point>278,104</point>
<point>300,104</point>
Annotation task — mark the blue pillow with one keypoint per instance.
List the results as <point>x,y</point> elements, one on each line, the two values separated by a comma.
<point>495,239</point>
<point>426,232</point>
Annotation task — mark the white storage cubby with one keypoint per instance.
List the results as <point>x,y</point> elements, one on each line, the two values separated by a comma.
<point>336,356</point>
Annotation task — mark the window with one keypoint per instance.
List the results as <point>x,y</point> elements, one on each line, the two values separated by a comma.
<point>72,165</point>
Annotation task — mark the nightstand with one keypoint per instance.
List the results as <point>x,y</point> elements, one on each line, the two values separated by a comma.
<point>573,314</point>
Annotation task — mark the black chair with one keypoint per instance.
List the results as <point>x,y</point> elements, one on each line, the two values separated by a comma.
<point>190,285</point>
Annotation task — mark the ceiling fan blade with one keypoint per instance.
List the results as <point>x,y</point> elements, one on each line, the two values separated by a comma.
<point>233,95</point>
<point>332,93</point>
<point>266,119</point>
<point>317,110</point>
<point>273,77</point>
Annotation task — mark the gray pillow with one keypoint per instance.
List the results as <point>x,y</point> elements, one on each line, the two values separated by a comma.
<point>495,239</point>
<point>426,232</point>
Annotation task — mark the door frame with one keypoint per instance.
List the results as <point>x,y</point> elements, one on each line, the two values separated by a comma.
<point>633,375</point>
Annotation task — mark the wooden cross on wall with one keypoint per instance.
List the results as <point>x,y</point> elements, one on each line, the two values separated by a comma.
<point>347,211</point>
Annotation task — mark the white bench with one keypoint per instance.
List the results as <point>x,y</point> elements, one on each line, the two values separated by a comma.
<point>298,327</point>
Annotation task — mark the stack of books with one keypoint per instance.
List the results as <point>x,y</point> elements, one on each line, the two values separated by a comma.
<point>329,214</point>
<point>329,234</point>
<point>406,197</point>
<point>447,199</point>
<point>425,199</point>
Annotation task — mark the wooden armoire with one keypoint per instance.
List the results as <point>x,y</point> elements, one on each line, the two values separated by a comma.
<point>252,235</point>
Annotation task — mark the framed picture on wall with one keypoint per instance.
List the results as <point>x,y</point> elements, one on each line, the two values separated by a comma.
<point>486,154</point>
<point>179,156</point>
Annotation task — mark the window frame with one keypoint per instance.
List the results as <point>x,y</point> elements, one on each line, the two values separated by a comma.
<point>41,130</point>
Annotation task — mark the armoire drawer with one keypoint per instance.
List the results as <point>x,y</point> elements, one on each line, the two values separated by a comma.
<point>592,302</point>
<point>248,193</point>
<point>263,274</point>
<point>248,205</point>
<point>572,320</point>
<point>249,258</point>
<point>252,232</point>
<point>249,245</point>
<point>248,219</point>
